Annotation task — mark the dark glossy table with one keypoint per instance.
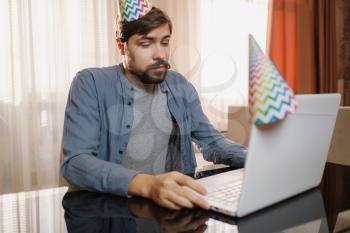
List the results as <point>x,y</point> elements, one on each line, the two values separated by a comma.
<point>326,209</point>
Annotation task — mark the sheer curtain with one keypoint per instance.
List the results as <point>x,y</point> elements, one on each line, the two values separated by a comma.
<point>210,48</point>
<point>185,43</point>
<point>43,44</point>
<point>226,25</point>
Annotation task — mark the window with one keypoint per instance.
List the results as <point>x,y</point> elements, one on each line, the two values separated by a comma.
<point>226,25</point>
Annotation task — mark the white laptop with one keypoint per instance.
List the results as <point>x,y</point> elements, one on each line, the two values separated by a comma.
<point>284,159</point>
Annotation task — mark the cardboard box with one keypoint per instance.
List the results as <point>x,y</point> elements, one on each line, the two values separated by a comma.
<point>339,152</point>
<point>238,124</point>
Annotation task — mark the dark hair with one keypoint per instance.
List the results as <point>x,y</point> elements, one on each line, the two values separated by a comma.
<point>153,19</point>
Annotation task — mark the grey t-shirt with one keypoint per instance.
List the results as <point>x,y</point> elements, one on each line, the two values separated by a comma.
<point>149,137</point>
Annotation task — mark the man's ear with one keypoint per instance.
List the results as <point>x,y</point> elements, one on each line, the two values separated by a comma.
<point>120,45</point>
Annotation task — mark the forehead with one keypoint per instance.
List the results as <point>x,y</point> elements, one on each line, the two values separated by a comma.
<point>157,33</point>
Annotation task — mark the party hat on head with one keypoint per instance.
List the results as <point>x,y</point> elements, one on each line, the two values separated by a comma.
<point>270,97</point>
<point>130,10</point>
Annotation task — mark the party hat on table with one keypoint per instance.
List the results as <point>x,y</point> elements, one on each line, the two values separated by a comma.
<point>270,97</point>
<point>130,10</point>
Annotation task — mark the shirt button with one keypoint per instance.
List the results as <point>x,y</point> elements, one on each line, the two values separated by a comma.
<point>132,88</point>
<point>128,126</point>
<point>129,103</point>
<point>120,152</point>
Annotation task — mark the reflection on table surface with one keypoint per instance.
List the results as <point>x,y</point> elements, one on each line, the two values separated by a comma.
<point>55,210</point>
<point>90,212</point>
<point>41,211</point>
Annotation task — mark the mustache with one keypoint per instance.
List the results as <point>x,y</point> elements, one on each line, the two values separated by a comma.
<point>159,63</point>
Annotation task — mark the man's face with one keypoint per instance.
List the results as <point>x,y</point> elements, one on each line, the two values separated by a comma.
<point>146,56</point>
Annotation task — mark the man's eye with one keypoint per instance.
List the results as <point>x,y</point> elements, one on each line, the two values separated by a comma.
<point>145,45</point>
<point>165,43</point>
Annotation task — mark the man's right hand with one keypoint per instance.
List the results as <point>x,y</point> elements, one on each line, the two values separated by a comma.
<point>171,190</point>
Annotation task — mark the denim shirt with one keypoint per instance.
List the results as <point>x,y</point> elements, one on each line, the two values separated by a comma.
<point>99,118</point>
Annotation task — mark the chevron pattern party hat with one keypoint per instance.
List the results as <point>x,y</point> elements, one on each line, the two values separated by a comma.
<point>270,97</point>
<point>130,10</point>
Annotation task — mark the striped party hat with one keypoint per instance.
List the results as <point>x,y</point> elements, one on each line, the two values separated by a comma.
<point>270,97</point>
<point>130,10</point>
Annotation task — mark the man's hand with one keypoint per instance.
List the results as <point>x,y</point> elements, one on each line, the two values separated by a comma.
<point>171,190</point>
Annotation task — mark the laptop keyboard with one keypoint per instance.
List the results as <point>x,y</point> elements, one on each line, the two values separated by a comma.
<point>227,194</point>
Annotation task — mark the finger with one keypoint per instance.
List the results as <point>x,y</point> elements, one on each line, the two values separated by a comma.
<point>179,199</point>
<point>169,204</point>
<point>187,193</point>
<point>195,197</point>
<point>188,181</point>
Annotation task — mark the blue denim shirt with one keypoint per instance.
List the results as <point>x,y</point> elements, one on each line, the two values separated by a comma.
<point>99,118</point>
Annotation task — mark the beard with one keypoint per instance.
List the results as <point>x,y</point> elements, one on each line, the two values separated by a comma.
<point>152,76</point>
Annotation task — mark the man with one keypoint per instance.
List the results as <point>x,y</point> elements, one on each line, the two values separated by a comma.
<point>129,128</point>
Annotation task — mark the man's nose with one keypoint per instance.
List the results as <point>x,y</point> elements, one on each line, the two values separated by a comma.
<point>159,52</point>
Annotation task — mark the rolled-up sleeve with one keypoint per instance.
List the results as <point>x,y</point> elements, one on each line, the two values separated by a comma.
<point>81,139</point>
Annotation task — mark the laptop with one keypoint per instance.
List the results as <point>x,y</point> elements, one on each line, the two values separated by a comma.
<point>303,213</point>
<point>284,158</point>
